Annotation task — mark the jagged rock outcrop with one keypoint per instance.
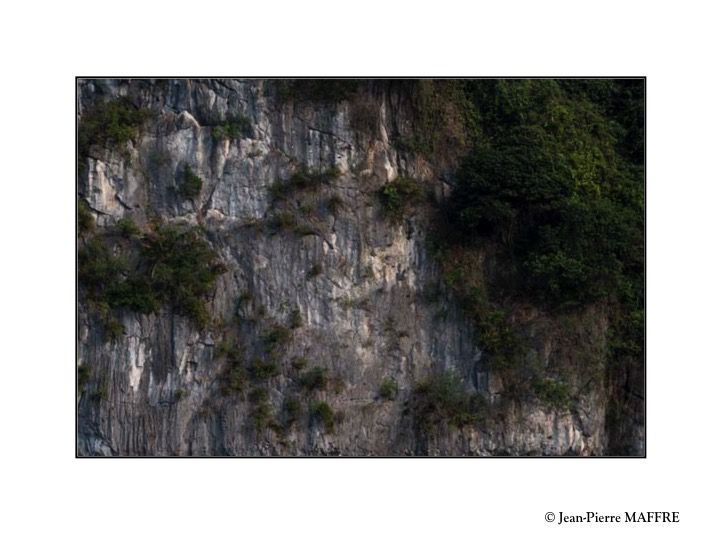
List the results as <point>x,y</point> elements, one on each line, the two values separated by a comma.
<point>348,286</point>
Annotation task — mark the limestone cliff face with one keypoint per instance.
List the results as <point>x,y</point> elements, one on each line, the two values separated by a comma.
<point>349,284</point>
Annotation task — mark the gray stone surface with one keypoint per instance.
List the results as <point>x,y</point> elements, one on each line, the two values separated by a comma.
<point>365,317</point>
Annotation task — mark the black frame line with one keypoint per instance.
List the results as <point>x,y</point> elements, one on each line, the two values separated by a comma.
<point>604,77</point>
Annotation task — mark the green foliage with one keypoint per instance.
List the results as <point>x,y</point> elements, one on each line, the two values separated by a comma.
<point>169,266</point>
<point>279,190</point>
<point>83,375</point>
<point>191,183</point>
<point>623,100</point>
<point>112,329</point>
<point>296,320</point>
<point>182,269</point>
<point>303,229</point>
<point>303,179</point>
<point>553,187</point>
<point>222,349</point>
<point>322,412</point>
<point>226,349</point>
<point>85,220</point>
<point>261,415</point>
<point>98,267</point>
<point>307,178</point>
<point>388,389</point>
<point>292,411</point>
<point>110,123</point>
<point>159,159</point>
<point>497,336</point>
<point>283,221</point>
<point>131,291</point>
<point>265,370</point>
<point>553,393</point>
<point>234,127</point>
<point>314,379</point>
<point>100,394</point>
<point>308,210</point>
<point>276,337</point>
<point>441,399</point>
<point>261,412</point>
<point>235,379</point>
<point>298,363</point>
<point>397,196</point>
<point>127,228</point>
<point>258,395</point>
<point>548,177</point>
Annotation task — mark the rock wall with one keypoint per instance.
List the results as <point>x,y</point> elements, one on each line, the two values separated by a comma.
<point>357,280</point>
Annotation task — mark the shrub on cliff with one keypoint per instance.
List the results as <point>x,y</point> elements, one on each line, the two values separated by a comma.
<point>85,220</point>
<point>110,123</point>
<point>442,399</point>
<point>388,389</point>
<point>264,370</point>
<point>553,393</point>
<point>182,269</point>
<point>233,127</point>
<point>304,179</point>
<point>275,337</point>
<point>83,375</point>
<point>127,228</point>
<point>549,178</point>
<point>399,195</point>
<point>191,184</point>
<point>169,266</point>
<point>314,379</point>
<point>292,411</point>
<point>321,412</point>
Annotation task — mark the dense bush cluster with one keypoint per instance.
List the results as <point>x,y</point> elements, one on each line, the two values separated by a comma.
<point>191,183</point>
<point>276,337</point>
<point>553,393</point>
<point>110,123</point>
<point>236,378</point>
<point>292,411</point>
<point>388,389</point>
<point>441,399</point>
<point>399,195</point>
<point>85,220</point>
<point>552,183</point>
<point>233,127</point>
<point>265,369</point>
<point>305,178</point>
<point>321,412</point>
<point>556,176</point>
<point>314,379</point>
<point>169,266</point>
<point>84,372</point>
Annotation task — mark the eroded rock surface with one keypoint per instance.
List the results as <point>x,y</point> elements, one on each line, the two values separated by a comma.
<point>353,282</point>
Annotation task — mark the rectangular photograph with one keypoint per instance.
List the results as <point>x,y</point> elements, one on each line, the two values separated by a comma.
<point>360,267</point>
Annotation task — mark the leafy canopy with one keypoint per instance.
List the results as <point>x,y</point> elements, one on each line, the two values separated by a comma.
<point>556,177</point>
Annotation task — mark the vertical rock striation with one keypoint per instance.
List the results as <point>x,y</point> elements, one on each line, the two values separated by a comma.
<point>344,289</point>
